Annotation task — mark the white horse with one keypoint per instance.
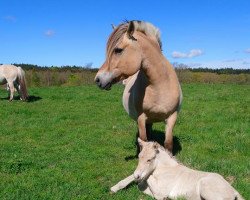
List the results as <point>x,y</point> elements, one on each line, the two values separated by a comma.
<point>15,79</point>
<point>161,176</point>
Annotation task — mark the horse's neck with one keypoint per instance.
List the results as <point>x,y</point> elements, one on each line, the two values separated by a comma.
<point>165,160</point>
<point>158,70</point>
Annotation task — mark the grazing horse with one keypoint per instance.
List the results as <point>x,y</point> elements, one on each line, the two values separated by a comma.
<point>15,79</point>
<point>152,91</point>
<point>159,175</point>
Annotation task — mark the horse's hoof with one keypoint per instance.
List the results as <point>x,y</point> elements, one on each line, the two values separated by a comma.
<point>168,146</point>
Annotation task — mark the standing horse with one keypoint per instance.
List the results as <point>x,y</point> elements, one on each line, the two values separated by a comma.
<point>161,176</point>
<point>152,90</point>
<point>15,79</point>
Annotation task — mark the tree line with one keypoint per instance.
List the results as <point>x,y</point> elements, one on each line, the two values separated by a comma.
<point>39,76</point>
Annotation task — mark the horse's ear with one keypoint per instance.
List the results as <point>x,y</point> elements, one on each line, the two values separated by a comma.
<point>113,26</point>
<point>131,30</point>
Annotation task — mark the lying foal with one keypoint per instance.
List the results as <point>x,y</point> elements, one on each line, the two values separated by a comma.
<point>159,175</point>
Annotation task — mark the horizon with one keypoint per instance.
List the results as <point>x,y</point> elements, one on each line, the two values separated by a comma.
<point>207,34</point>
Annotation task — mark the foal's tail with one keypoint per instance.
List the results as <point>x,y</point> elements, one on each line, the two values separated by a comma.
<point>22,84</point>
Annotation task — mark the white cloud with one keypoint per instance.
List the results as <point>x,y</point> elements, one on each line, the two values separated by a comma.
<point>49,33</point>
<point>192,53</point>
<point>232,63</point>
<point>232,60</point>
<point>195,65</point>
<point>10,18</point>
<point>246,63</point>
<point>247,50</point>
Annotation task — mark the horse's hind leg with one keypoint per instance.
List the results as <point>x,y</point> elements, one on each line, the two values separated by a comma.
<point>12,90</point>
<point>170,122</point>
<point>17,87</point>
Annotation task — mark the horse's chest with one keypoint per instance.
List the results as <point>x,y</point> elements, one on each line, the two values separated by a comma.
<point>131,102</point>
<point>134,93</point>
<point>139,97</point>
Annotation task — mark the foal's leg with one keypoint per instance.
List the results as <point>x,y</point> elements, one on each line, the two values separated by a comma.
<point>122,184</point>
<point>170,122</point>
<point>214,187</point>
<point>12,90</point>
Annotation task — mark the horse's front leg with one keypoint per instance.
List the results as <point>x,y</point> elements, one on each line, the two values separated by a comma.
<point>141,121</point>
<point>11,91</point>
<point>170,122</point>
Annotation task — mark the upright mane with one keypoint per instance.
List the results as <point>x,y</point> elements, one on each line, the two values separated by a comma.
<point>144,27</point>
<point>166,151</point>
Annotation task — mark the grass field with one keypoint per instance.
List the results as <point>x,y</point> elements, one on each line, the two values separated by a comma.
<point>74,142</point>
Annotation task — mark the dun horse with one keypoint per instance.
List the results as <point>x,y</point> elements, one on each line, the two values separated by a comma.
<point>15,79</point>
<point>152,91</point>
<point>161,176</point>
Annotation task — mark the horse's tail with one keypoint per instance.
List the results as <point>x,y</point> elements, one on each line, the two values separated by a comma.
<point>22,84</point>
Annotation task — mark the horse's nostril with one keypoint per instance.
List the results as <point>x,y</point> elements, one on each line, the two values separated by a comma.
<point>97,80</point>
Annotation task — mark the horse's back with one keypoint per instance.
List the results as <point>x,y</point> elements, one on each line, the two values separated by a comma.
<point>8,71</point>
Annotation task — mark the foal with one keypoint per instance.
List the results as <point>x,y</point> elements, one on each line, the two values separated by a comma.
<point>159,175</point>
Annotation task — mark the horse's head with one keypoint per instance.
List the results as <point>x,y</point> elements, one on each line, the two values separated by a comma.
<point>124,54</point>
<point>147,159</point>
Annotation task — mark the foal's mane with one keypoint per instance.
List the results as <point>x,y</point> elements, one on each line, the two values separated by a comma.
<point>144,27</point>
<point>168,152</point>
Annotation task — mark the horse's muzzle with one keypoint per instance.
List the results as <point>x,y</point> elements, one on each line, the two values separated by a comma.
<point>103,81</point>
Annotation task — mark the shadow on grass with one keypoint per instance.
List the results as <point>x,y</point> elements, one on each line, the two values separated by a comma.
<point>34,98</point>
<point>30,99</point>
<point>158,136</point>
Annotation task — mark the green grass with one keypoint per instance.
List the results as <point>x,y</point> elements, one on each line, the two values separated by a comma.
<point>72,143</point>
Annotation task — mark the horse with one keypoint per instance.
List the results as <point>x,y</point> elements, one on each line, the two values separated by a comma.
<point>161,176</point>
<point>15,79</point>
<point>152,91</point>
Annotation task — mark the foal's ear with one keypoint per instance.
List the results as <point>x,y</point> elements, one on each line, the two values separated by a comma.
<point>140,142</point>
<point>131,30</point>
<point>156,147</point>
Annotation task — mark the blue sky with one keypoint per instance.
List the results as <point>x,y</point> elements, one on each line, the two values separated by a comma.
<point>209,33</point>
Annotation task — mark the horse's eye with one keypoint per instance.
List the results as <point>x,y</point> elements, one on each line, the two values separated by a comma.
<point>118,50</point>
<point>149,160</point>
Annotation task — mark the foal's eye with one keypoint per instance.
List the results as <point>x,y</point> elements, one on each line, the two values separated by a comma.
<point>149,160</point>
<point>118,50</point>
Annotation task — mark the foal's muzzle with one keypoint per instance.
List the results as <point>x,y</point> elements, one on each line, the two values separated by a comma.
<point>137,176</point>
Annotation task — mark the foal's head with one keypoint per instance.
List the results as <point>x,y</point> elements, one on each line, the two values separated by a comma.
<point>124,53</point>
<point>147,159</point>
